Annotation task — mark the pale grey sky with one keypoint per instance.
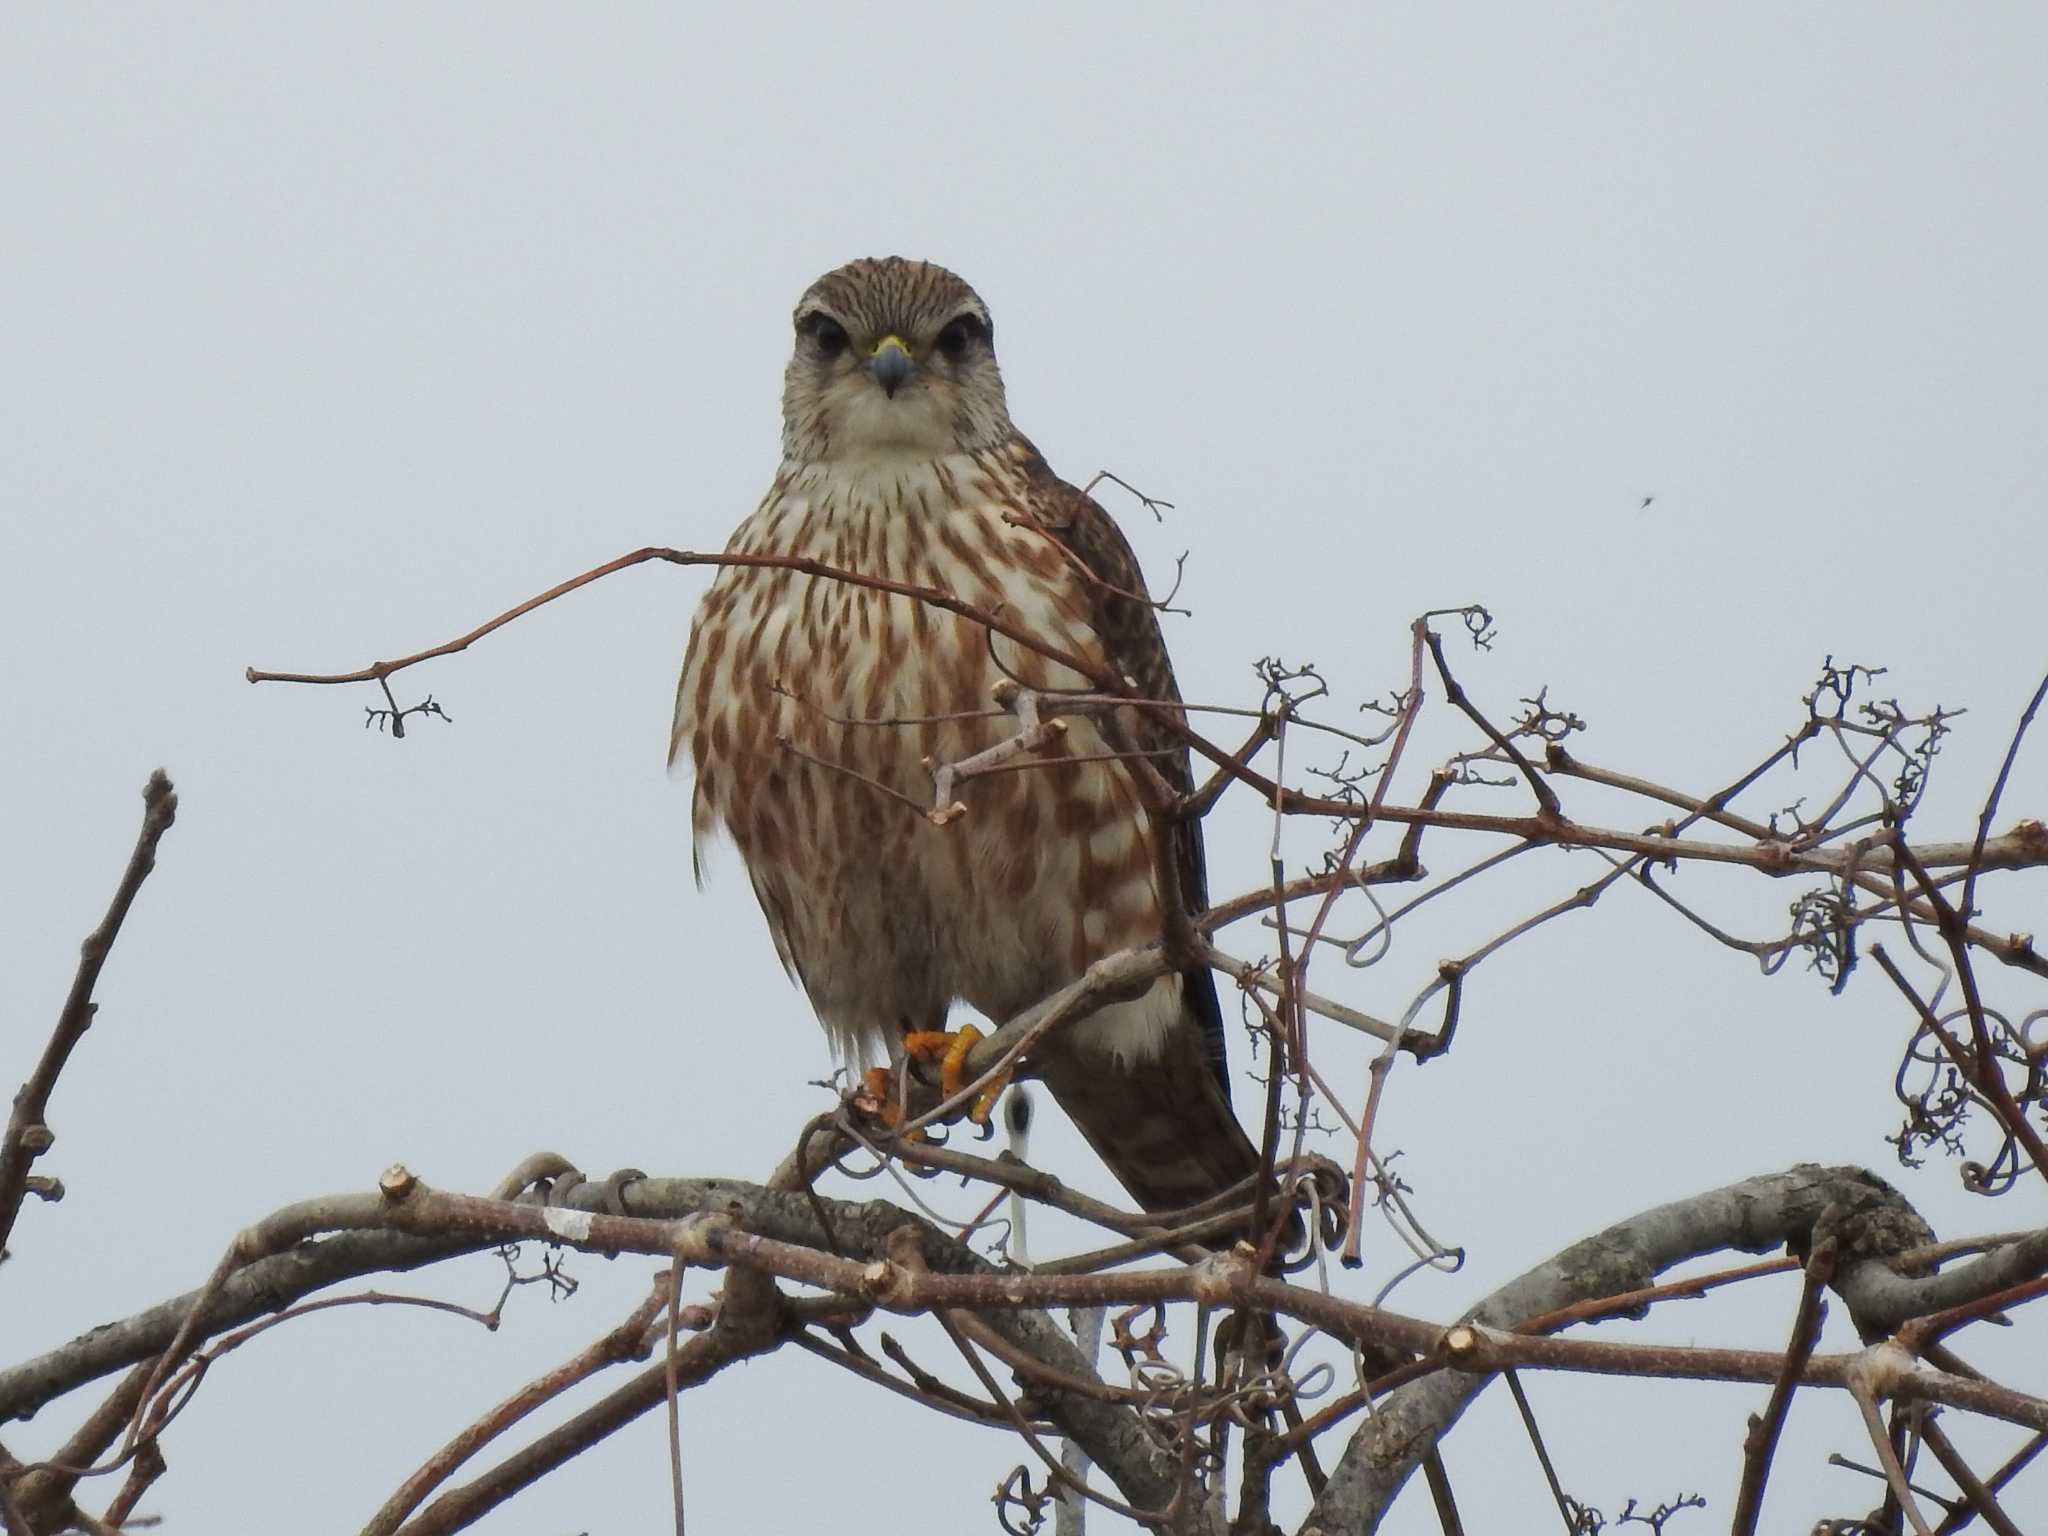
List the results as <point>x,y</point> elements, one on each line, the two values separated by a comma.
<point>329,334</point>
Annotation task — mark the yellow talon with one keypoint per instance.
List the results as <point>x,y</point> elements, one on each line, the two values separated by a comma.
<point>926,1044</point>
<point>950,1049</point>
<point>985,1101</point>
<point>954,1068</point>
<point>954,1063</point>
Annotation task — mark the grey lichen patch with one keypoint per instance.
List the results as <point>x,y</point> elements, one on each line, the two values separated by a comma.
<point>1605,1265</point>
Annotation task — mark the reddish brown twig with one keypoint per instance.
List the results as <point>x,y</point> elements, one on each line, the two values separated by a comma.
<point>628,1341</point>
<point>1935,1326</point>
<point>2027,846</point>
<point>1969,903</point>
<point>177,1393</point>
<point>1895,1476</point>
<point>2013,1466</point>
<point>1548,808</point>
<point>932,1393</point>
<point>1953,927</point>
<point>1978,1496</point>
<point>908,1259</point>
<point>1761,1444</point>
<point>1978,1067</point>
<point>800,565</point>
<point>1630,1302</point>
<point>740,1332</point>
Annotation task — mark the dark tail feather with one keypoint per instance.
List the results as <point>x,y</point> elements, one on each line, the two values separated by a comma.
<point>1167,1132</point>
<point>1165,1129</point>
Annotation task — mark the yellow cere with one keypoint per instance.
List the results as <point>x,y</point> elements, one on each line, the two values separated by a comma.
<point>895,341</point>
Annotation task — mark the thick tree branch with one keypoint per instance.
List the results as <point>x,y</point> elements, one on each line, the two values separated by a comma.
<point>1752,1216</point>
<point>779,1233</point>
<point>286,1257</point>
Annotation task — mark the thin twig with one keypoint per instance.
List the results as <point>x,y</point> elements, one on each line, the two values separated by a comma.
<point>797,564</point>
<point>27,1137</point>
<point>1894,1470</point>
<point>1557,1493</point>
<point>1761,1444</point>
<point>1969,904</point>
<point>628,1341</point>
<point>1979,1068</point>
<point>1979,1497</point>
<point>937,1396</point>
<point>1546,798</point>
<point>2013,1466</point>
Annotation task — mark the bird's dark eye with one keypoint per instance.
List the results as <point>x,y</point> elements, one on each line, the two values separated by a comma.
<point>961,332</point>
<point>826,334</point>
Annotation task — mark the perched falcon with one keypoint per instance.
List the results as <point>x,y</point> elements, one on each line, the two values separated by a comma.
<point>801,695</point>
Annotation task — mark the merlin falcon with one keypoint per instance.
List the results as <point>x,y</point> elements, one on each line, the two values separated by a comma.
<point>812,709</point>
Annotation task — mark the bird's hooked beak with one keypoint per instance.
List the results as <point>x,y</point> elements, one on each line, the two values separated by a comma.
<point>891,364</point>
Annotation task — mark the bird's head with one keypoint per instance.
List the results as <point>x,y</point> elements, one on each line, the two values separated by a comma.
<point>894,358</point>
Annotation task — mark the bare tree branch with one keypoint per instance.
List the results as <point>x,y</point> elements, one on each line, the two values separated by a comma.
<point>27,1136</point>
<point>1752,1216</point>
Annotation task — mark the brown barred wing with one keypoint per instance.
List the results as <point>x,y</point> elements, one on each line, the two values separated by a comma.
<point>1127,621</point>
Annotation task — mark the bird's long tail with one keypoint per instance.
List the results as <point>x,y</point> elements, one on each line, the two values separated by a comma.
<point>1164,1127</point>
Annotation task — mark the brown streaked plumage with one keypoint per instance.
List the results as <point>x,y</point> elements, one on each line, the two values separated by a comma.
<point>899,460</point>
